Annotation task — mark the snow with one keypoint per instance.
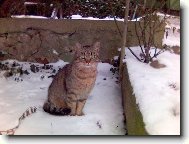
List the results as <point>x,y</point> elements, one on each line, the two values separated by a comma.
<point>136,19</point>
<point>92,18</point>
<point>173,38</point>
<point>55,52</point>
<point>103,110</point>
<point>157,91</point>
<point>72,17</point>
<point>28,16</point>
<point>116,57</point>
<point>30,3</point>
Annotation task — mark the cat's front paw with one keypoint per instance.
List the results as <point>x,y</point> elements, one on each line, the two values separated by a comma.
<point>81,114</point>
<point>72,114</point>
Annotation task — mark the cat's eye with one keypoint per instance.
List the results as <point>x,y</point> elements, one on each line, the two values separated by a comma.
<point>82,57</point>
<point>94,55</point>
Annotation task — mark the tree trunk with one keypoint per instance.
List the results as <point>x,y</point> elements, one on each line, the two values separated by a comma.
<point>124,38</point>
<point>61,13</point>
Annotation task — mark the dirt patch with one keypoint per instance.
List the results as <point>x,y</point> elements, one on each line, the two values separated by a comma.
<point>155,64</point>
<point>176,49</point>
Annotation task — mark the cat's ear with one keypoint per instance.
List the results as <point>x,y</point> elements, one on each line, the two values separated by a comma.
<point>96,46</point>
<point>78,46</point>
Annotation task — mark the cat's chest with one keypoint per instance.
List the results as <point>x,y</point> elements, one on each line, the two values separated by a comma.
<point>81,81</point>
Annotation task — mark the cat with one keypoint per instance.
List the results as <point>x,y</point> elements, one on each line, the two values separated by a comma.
<point>71,86</point>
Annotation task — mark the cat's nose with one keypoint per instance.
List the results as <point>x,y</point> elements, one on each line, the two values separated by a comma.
<point>88,61</point>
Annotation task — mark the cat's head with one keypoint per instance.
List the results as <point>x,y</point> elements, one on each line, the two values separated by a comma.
<point>87,54</point>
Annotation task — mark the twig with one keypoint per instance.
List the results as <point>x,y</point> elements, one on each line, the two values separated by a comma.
<point>155,51</point>
<point>135,11</point>
<point>134,54</point>
<point>117,27</point>
<point>113,13</point>
<point>155,55</point>
<point>11,131</point>
<point>138,38</point>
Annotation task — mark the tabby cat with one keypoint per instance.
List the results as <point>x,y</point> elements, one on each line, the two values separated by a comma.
<point>72,85</point>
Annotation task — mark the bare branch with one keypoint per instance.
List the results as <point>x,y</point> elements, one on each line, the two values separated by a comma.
<point>134,54</point>
<point>156,54</point>
<point>138,37</point>
<point>117,27</point>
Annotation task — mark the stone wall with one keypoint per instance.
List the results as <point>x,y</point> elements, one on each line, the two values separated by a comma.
<point>34,39</point>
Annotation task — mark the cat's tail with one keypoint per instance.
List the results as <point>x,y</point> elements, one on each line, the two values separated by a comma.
<point>11,131</point>
<point>50,108</point>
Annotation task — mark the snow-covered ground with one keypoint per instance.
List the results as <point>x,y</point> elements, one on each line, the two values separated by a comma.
<point>103,110</point>
<point>157,91</point>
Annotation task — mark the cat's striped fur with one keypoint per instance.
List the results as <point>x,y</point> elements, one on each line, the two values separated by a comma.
<point>72,85</point>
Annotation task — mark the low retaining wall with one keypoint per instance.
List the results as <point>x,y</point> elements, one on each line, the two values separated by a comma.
<point>134,120</point>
